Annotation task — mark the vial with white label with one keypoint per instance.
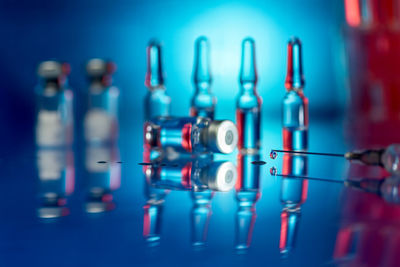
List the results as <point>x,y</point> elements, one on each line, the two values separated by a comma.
<point>101,119</point>
<point>54,118</point>
<point>191,134</point>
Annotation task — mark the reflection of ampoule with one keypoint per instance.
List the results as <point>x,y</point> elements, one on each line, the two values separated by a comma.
<point>295,104</point>
<point>153,209</point>
<point>293,195</point>
<point>54,128</point>
<point>247,194</point>
<point>156,102</point>
<point>101,118</point>
<point>203,101</point>
<point>54,120</point>
<point>200,216</point>
<point>248,104</point>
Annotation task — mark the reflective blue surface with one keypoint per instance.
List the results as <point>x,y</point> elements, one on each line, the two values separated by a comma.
<point>116,237</point>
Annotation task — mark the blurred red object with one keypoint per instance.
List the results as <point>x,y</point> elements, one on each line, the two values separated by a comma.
<point>372,38</point>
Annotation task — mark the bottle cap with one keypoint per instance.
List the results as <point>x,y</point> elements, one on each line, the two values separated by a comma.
<point>220,176</point>
<point>98,67</point>
<point>222,136</point>
<point>50,69</point>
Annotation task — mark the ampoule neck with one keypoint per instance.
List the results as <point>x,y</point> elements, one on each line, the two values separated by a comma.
<point>248,87</point>
<point>203,87</point>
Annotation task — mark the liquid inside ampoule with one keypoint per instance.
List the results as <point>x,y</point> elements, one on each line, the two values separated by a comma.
<point>248,122</point>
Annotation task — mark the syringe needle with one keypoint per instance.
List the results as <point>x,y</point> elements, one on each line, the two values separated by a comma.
<point>273,153</point>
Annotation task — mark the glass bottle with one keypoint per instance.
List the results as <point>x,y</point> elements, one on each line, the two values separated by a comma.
<point>190,134</point>
<point>248,104</point>
<point>156,102</point>
<point>203,101</point>
<point>54,118</point>
<point>54,134</point>
<point>101,119</point>
<point>295,104</point>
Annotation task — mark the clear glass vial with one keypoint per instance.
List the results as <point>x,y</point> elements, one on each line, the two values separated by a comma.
<point>191,134</point>
<point>54,118</point>
<point>101,119</point>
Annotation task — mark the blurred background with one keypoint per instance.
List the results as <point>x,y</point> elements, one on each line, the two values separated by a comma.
<point>75,31</point>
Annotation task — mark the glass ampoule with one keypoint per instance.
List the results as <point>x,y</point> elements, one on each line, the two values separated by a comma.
<point>295,104</point>
<point>247,195</point>
<point>156,102</point>
<point>248,104</point>
<point>101,119</point>
<point>203,101</point>
<point>190,134</point>
<point>54,118</point>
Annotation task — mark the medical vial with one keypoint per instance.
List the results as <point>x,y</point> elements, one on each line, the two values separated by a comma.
<point>248,103</point>
<point>295,104</point>
<point>203,101</point>
<point>54,118</point>
<point>247,194</point>
<point>191,134</point>
<point>156,102</point>
<point>101,119</point>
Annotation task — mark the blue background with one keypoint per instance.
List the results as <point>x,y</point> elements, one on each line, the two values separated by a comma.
<point>75,31</point>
